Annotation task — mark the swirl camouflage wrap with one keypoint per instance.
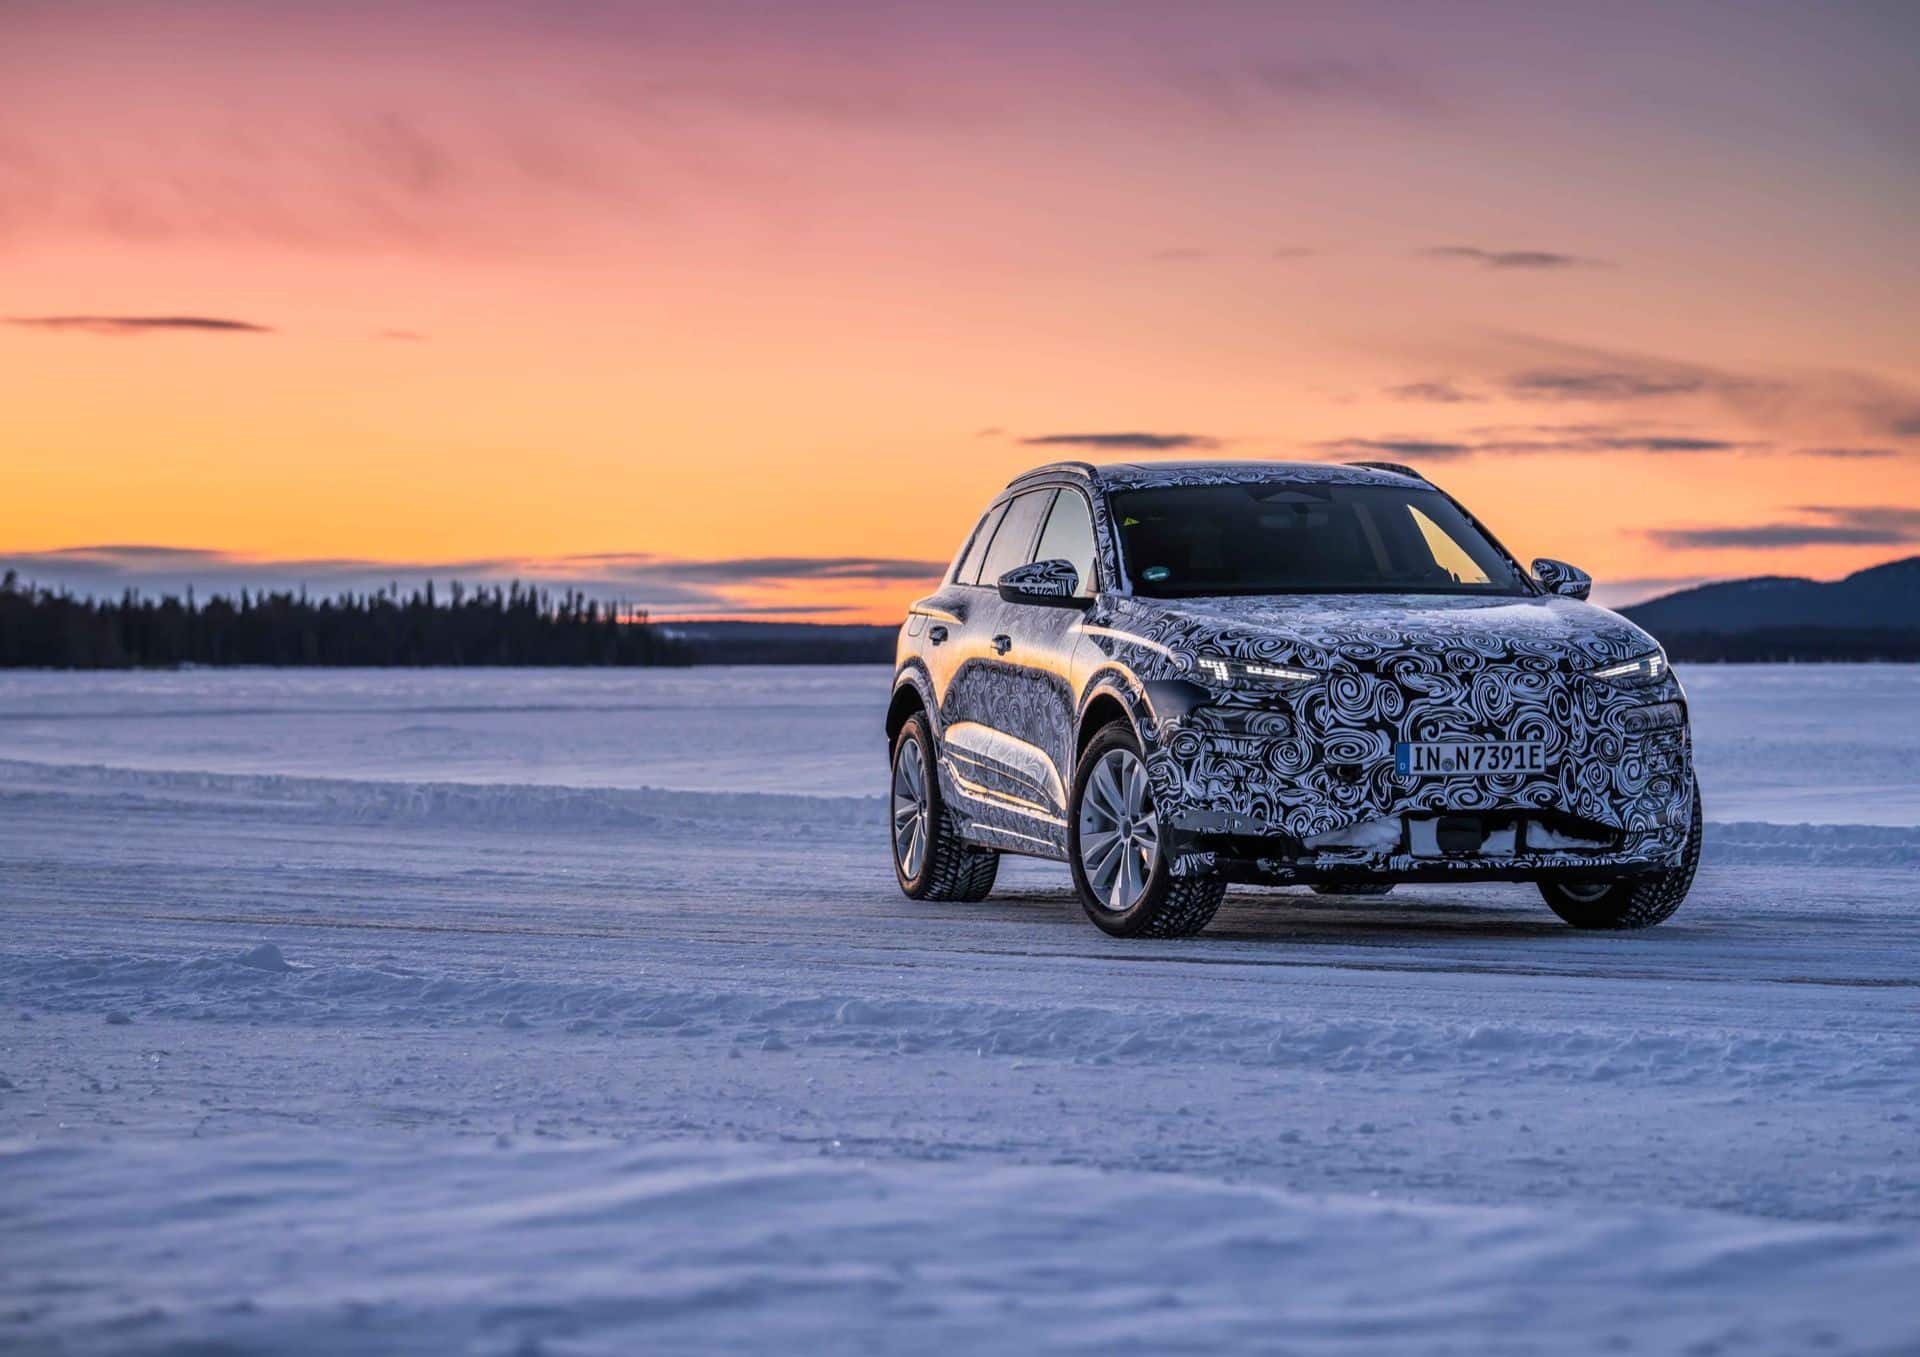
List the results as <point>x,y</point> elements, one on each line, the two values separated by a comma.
<point>1305,759</point>
<point>1557,577</point>
<point>1044,579</point>
<point>1278,723</point>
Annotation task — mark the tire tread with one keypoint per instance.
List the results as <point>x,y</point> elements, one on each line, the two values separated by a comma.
<point>1640,903</point>
<point>955,869</point>
<point>1189,906</point>
<point>1185,904</point>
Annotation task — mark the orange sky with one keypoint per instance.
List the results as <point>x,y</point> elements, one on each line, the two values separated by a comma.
<point>738,308</point>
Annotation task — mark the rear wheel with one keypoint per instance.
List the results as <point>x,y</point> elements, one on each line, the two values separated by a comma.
<point>1114,848</point>
<point>1636,902</point>
<point>930,859</point>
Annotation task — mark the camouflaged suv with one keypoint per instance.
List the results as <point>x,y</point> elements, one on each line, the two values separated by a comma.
<point>1178,675</point>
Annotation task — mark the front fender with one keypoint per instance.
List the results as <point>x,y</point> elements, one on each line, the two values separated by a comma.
<point>1154,706</point>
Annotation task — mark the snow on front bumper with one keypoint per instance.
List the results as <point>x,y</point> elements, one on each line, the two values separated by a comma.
<point>1283,779</point>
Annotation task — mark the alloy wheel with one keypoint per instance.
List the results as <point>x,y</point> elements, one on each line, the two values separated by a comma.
<point>1119,832</point>
<point>911,809</point>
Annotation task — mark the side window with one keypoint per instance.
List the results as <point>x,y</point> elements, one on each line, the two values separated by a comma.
<point>969,568</point>
<point>1068,536</point>
<point>1013,540</point>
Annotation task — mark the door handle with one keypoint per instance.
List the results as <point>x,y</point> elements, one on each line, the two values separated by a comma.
<point>936,634</point>
<point>1002,644</point>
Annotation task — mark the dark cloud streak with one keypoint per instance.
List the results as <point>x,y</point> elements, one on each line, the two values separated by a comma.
<point>1258,88</point>
<point>1539,440</point>
<point>1829,525</point>
<point>1429,449</point>
<point>1835,404</point>
<point>1622,443</point>
<point>1533,260</point>
<point>1340,81</point>
<point>1432,393</point>
<point>136,325</point>
<point>760,569</point>
<point>1600,384</point>
<point>1123,442</point>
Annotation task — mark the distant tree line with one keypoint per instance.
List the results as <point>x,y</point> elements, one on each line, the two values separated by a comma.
<point>522,625</point>
<point>514,625</point>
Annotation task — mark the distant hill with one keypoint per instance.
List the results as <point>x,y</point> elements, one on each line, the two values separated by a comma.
<point>783,642</point>
<point>1872,614</point>
<point>1885,596</point>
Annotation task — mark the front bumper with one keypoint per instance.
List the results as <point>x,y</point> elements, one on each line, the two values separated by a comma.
<point>1302,787</point>
<point>1490,845</point>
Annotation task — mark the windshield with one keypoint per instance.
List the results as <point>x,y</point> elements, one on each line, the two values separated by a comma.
<point>1279,537</point>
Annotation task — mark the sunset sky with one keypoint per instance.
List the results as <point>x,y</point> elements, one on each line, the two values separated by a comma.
<point>747,309</point>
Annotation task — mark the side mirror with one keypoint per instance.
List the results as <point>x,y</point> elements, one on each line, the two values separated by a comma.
<point>1046,584</point>
<point>1557,577</point>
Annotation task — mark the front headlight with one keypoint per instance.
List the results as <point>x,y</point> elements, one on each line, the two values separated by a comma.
<point>1225,673</point>
<point>1640,669</point>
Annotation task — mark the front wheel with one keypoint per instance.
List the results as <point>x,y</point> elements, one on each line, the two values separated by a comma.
<point>1636,902</point>
<point>1113,846</point>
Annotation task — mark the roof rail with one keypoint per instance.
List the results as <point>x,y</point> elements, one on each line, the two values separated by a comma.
<point>1085,468</point>
<point>1394,467</point>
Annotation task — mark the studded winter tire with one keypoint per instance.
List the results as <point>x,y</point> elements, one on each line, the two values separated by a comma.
<point>930,858</point>
<point>1114,847</point>
<point>1636,902</point>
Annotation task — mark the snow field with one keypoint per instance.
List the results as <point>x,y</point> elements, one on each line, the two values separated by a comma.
<point>316,1038</point>
<point>676,1247</point>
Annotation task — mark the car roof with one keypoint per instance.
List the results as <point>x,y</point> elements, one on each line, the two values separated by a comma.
<point>1155,475</point>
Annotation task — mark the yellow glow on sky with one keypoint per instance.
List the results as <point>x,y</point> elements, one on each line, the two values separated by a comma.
<point>690,292</point>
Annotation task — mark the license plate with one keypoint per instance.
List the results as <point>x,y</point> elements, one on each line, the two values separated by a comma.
<point>1468,758</point>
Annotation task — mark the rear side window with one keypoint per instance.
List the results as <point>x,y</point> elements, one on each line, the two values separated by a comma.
<point>969,568</point>
<point>1068,536</point>
<point>1013,539</point>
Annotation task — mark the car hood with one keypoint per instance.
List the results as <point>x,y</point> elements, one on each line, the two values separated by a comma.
<point>1322,630</point>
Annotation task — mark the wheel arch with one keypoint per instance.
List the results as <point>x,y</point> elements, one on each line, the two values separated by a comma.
<point>912,692</point>
<point>1110,697</point>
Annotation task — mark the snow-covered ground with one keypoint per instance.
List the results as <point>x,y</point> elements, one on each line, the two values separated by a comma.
<point>574,1012</point>
<point>1827,744</point>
